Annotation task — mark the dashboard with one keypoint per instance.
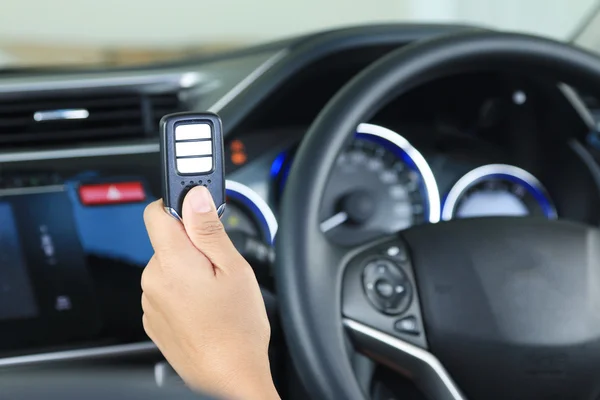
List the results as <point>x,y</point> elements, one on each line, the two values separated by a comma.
<point>469,146</point>
<point>79,162</point>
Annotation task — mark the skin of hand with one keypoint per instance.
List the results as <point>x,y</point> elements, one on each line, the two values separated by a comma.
<point>202,304</point>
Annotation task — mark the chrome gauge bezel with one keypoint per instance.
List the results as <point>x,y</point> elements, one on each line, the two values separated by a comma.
<point>256,205</point>
<point>431,191</point>
<point>509,172</point>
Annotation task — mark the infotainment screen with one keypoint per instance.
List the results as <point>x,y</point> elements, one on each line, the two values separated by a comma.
<point>72,251</point>
<point>16,294</point>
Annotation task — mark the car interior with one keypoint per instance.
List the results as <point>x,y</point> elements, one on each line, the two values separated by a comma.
<point>419,203</point>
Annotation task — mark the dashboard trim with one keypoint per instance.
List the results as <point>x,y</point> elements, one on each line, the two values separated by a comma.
<point>99,151</point>
<point>578,105</point>
<point>247,81</point>
<point>587,159</point>
<point>31,190</point>
<point>77,354</point>
<point>94,81</point>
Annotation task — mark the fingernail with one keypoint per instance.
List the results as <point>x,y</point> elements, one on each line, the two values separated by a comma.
<point>200,200</point>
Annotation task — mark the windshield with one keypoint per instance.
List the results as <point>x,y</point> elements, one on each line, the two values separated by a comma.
<point>105,33</point>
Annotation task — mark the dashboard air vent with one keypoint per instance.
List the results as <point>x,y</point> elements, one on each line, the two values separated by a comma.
<point>162,104</point>
<point>83,118</point>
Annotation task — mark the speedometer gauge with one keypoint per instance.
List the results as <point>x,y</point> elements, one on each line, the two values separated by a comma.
<point>498,190</point>
<point>380,184</point>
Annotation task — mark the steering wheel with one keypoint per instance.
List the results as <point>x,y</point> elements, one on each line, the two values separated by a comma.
<point>496,308</point>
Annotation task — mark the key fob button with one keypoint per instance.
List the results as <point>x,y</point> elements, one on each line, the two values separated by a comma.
<point>186,149</point>
<point>193,132</point>
<point>194,165</point>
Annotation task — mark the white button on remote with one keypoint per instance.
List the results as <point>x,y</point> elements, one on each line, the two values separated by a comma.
<point>186,149</point>
<point>193,132</point>
<point>194,148</point>
<point>195,165</point>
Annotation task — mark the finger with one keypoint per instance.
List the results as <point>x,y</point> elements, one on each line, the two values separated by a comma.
<point>167,235</point>
<point>152,322</point>
<point>206,231</point>
<point>151,287</point>
<point>148,274</point>
<point>156,328</point>
<point>147,324</point>
<point>147,306</point>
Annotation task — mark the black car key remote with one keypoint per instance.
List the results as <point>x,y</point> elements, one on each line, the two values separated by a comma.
<point>191,146</point>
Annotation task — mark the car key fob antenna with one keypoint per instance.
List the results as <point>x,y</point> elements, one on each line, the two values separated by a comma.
<point>191,146</point>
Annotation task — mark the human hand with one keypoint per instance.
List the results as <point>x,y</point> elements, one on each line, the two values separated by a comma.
<point>202,304</point>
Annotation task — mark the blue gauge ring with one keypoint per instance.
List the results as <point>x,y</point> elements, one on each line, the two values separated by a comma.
<point>259,208</point>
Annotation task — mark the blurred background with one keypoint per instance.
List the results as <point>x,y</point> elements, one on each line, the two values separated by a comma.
<point>124,32</point>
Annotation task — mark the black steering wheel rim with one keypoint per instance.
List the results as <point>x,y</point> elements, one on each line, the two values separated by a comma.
<point>309,285</point>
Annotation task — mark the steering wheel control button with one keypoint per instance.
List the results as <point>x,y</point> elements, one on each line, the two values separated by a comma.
<point>397,253</point>
<point>386,286</point>
<point>393,251</point>
<point>408,325</point>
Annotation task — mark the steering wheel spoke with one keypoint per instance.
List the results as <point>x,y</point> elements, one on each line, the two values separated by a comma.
<point>418,364</point>
<point>379,290</point>
<point>382,314</point>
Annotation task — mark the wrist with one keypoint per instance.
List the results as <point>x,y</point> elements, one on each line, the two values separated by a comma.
<point>265,391</point>
<point>252,385</point>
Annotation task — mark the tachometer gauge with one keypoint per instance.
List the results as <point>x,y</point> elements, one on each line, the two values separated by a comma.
<point>498,190</point>
<point>380,184</point>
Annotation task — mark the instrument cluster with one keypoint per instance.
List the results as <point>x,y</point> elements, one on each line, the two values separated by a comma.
<point>382,184</point>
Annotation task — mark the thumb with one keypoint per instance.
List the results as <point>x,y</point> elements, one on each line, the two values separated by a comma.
<point>206,231</point>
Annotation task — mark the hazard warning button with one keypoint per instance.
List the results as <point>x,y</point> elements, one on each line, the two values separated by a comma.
<point>112,193</point>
